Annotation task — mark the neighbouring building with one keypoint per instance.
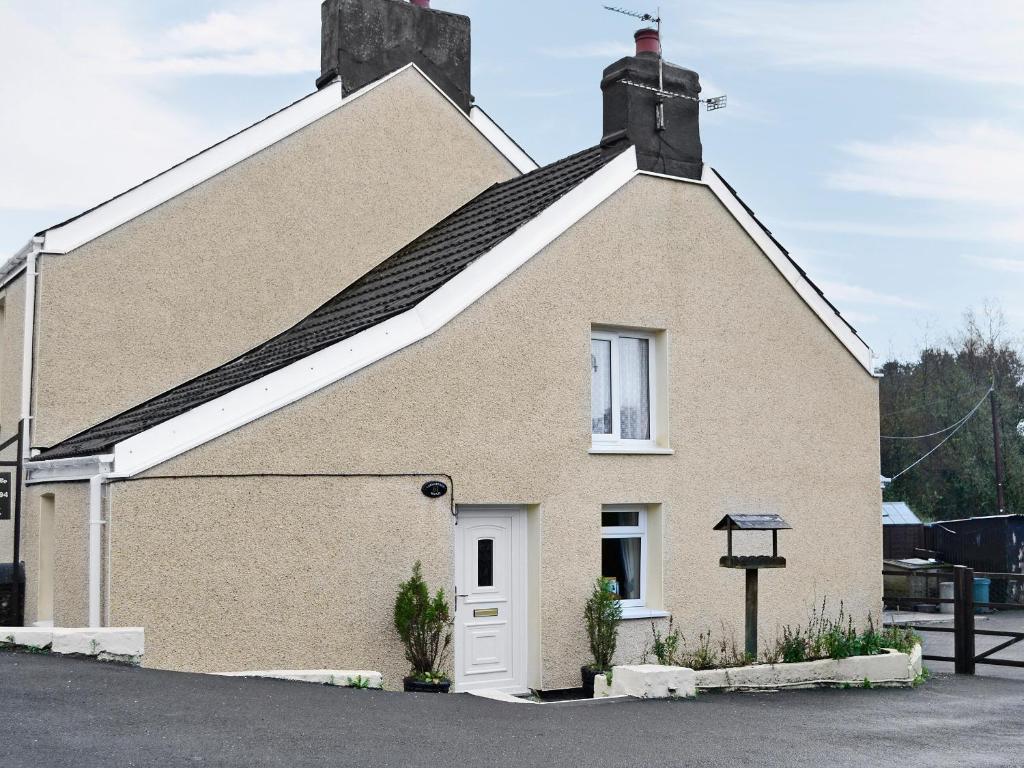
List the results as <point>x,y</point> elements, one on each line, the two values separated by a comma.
<point>523,380</point>
<point>902,531</point>
<point>230,247</point>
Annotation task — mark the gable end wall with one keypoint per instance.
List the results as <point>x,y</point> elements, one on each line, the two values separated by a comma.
<point>232,262</point>
<point>768,413</point>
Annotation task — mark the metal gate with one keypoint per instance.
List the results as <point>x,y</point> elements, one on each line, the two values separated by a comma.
<point>965,656</point>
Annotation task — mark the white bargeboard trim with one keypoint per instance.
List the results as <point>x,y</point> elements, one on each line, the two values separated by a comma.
<point>109,215</point>
<point>504,143</point>
<point>292,383</point>
<point>857,347</point>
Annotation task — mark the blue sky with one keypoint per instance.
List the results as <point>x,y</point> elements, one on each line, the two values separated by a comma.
<point>881,140</point>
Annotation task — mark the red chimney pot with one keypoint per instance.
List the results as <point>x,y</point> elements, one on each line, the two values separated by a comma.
<point>648,41</point>
<point>421,3</point>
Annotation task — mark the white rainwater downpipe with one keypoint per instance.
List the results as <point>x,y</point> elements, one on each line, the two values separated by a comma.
<point>28,345</point>
<point>96,523</point>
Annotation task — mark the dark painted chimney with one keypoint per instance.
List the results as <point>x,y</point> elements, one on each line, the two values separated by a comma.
<point>631,114</point>
<point>364,40</point>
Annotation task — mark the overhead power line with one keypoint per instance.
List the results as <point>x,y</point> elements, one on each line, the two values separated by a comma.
<point>956,428</point>
<point>934,434</point>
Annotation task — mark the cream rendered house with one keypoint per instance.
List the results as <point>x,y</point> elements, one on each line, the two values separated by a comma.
<point>232,246</point>
<point>572,373</point>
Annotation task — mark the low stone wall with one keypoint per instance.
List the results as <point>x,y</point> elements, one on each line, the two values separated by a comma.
<point>342,678</point>
<point>126,645</point>
<point>892,669</point>
<point>650,681</point>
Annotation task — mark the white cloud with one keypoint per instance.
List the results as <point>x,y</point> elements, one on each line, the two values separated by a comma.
<point>976,41</point>
<point>84,118</point>
<point>264,38</point>
<point>610,50</point>
<point>973,167</point>
<point>998,264</point>
<point>855,294</point>
<point>74,132</point>
<point>976,162</point>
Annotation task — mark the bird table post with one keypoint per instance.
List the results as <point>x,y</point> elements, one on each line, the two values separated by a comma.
<point>752,563</point>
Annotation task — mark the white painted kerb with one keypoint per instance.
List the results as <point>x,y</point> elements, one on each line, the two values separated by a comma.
<point>647,681</point>
<point>127,642</point>
<point>342,678</point>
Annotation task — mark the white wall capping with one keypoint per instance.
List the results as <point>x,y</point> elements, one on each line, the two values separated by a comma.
<point>310,374</point>
<point>249,141</point>
<point>651,681</point>
<point>648,681</point>
<point>27,637</point>
<point>892,669</point>
<point>340,678</point>
<point>127,642</point>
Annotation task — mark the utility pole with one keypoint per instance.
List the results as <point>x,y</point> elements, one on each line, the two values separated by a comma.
<point>997,435</point>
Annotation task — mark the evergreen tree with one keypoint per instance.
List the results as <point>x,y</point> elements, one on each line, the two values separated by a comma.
<point>937,390</point>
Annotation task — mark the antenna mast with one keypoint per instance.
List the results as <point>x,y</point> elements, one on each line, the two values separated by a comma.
<point>713,103</point>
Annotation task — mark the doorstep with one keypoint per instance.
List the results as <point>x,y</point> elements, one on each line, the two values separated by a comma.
<point>509,698</point>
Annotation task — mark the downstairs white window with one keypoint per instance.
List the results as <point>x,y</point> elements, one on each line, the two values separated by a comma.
<point>624,552</point>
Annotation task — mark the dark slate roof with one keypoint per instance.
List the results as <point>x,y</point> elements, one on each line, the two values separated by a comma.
<point>389,289</point>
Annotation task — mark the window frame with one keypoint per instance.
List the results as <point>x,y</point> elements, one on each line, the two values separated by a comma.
<point>638,531</point>
<point>615,439</point>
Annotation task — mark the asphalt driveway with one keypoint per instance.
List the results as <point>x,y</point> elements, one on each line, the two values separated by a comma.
<point>67,712</point>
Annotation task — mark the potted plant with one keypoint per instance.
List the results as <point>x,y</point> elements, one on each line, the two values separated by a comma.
<point>424,625</point>
<point>602,613</point>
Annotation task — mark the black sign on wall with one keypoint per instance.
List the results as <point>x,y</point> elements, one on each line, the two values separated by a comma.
<point>6,486</point>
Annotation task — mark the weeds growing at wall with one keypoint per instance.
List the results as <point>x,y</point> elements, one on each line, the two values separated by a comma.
<point>828,637</point>
<point>824,636</point>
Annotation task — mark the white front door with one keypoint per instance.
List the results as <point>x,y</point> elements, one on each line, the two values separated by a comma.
<point>490,581</point>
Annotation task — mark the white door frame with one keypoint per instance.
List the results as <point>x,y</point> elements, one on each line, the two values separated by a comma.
<point>517,594</point>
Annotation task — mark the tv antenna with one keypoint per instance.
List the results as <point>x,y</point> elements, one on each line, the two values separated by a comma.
<point>712,104</point>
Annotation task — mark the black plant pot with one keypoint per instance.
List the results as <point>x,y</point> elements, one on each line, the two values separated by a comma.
<point>589,673</point>
<point>412,685</point>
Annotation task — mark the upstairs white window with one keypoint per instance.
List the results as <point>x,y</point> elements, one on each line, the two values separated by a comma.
<point>622,401</point>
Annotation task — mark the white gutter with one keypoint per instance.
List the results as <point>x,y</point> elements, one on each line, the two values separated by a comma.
<point>68,470</point>
<point>13,265</point>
